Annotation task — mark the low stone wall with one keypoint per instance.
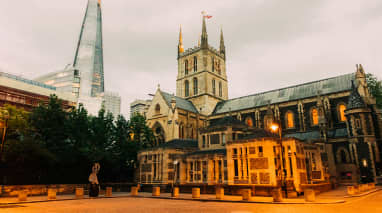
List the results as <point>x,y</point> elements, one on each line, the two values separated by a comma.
<point>318,187</point>
<point>12,190</point>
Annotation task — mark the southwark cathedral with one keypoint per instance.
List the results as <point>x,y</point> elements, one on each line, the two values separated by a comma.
<point>317,134</point>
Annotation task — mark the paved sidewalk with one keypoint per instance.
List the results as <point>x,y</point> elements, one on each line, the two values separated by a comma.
<point>338,195</point>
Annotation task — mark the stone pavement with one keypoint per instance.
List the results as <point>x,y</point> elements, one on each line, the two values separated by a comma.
<point>338,195</point>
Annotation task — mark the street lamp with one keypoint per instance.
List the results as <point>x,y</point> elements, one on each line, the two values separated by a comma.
<point>175,174</point>
<point>276,127</point>
<point>4,117</point>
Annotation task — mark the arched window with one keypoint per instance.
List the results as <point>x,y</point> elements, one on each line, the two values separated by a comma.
<point>213,87</point>
<point>219,70</point>
<point>195,63</point>
<point>186,67</point>
<point>314,116</point>
<point>249,121</point>
<point>157,109</point>
<point>195,86</point>
<point>341,112</point>
<point>181,131</point>
<point>186,89</point>
<point>289,119</point>
<point>220,89</point>
<point>213,64</point>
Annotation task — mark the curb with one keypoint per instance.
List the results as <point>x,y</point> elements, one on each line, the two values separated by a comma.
<point>363,194</point>
<point>171,198</point>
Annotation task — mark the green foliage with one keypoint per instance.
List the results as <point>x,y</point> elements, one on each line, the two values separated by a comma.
<point>51,145</point>
<point>375,88</point>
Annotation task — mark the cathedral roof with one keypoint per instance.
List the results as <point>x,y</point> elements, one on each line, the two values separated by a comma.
<point>180,102</point>
<point>311,89</point>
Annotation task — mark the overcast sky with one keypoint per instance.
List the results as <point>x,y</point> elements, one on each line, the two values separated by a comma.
<point>269,44</point>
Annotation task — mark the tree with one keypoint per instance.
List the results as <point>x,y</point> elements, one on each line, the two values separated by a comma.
<point>141,132</point>
<point>375,88</point>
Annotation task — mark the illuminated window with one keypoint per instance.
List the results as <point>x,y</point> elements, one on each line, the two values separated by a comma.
<point>314,115</point>
<point>341,112</point>
<point>186,89</point>
<point>249,121</point>
<point>289,120</point>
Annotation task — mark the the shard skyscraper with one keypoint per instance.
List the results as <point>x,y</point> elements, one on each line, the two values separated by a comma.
<point>89,54</point>
<point>85,77</point>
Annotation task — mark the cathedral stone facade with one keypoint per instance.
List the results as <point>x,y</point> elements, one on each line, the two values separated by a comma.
<point>314,133</point>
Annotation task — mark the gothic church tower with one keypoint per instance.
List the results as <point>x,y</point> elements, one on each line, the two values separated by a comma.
<point>202,77</point>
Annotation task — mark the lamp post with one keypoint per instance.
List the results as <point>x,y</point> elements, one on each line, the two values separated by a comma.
<point>175,174</point>
<point>276,127</point>
<point>4,116</point>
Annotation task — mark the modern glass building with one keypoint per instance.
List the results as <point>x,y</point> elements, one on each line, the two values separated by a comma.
<point>85,77</point>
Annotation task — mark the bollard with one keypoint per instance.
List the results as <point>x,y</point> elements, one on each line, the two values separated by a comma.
<point>175,192</point>
<point>156,191</point>
<point>79,193</point>
<point>219,193</point>
<point>109,192</point>
<point>351,190</point>
<point>134,191</point>
<point>309,195</point>
<point>195,192</point>
<point>246,194</point>
<point>372,185</point>
<point>356,189</point>
<point>23,194</point>
<point>52,194</point>
<point>277,195</point>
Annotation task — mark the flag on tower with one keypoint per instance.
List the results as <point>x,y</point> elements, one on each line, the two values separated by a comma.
<point>205,15</point>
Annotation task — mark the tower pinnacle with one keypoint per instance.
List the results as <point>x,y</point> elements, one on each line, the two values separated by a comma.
<point>204,37</point>
<point>222,46</point>
<point>180,45</point>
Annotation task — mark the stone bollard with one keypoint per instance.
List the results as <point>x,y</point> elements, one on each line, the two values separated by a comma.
<point>134,191</point>
<point>277,195</point>
<point>362,188</point>
<point>356,189</point>
<point>156,191</point>
<point>52,194</point>
<point>351,190</point>
<point>23,195</point>
<point>175,192</point>
<point>246,194</point>
<point>219,193</point>
<point>309,195</point>
<point>79,193</point>
<point>109,192</point>
<point>195,192</point>
<point>372,185</point>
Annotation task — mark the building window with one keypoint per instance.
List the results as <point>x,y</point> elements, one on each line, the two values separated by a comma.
<point>249,121</point>
<point>357,123</point>
<point>314,116</point>
<point>186,67</point>
<point>219,72</point>
<point>204,141</point>
<point>213,87</point>
<point>195,86</point>
<point>213,64</point>
<point>341,112</point>
<point>267,122</point>
<point>223,139</point>
<point>236,167</point>
<point>195,64</point>
<point>157,109</point>
<point>220,89</point>
<point>186,89</point>
<point>289,118</point>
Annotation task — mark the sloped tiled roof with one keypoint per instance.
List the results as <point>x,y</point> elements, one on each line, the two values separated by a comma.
<point>180,102</point>
<point>311,89</point>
